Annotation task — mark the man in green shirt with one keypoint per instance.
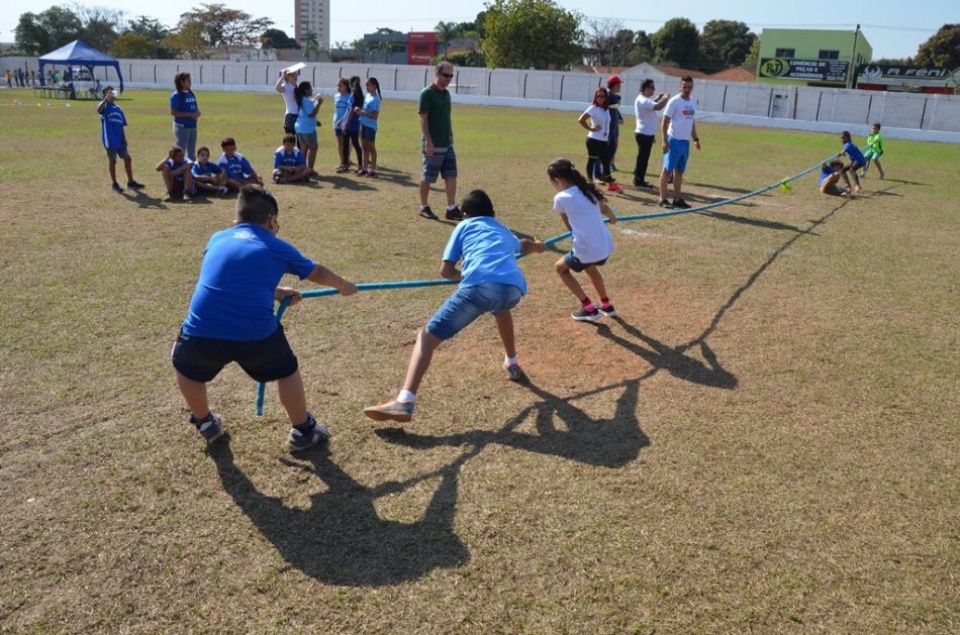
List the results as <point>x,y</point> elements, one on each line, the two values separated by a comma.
<point>439,158</point>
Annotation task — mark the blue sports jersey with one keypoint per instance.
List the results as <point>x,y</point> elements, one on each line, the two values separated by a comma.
<point>295,158</point>
<point>853,152</point>
<point>237,166</point>
<point>488,250</point>
<point>305,123</point>
<point>173,165</point>
<point>184,101</point>
<point>341,106</point>
<point>208,169</point>
<point>371,104</point>
<point>112,122</point>
<point>241,268</point>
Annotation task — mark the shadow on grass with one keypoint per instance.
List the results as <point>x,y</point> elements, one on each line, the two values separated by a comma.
<point>754,222</point>
<point>341,539</point>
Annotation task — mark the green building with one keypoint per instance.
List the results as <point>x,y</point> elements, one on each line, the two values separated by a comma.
<point>808,57</point>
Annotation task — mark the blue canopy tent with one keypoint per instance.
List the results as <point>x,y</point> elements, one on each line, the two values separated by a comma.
<point>79,54</point>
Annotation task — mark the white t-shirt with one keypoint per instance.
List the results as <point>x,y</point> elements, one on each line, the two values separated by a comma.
<point>289,99</point>
<point>592,241</point>
<point>681,113</point>
<point>646,115</point>
<point>600,117</point>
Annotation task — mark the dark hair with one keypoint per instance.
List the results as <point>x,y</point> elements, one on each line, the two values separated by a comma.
<point>300,92</point>
<point>477,203</point>
<point>845,134</point>
<point>647,83</point>
<point>373,80</point>
<point>344,81</point>
<point>833,165</point>
<point>606,95</point>
<point>178,80</point>
<point>256,205</point>
<point>877,124</point>
<point>289,138</point>
<point>357,92</point>
<point>563,169</point>
<point>686,78</point>
<point>203,149</point>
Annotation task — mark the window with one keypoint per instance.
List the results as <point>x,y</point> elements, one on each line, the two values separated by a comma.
<point>828,55</point>
<point>786,53</point>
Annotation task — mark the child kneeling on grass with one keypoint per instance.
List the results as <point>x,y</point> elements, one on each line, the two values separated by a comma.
<point>231,317</point>
<point>491,282</point>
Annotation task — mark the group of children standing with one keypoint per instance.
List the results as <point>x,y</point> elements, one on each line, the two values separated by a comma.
<point>231,317</point>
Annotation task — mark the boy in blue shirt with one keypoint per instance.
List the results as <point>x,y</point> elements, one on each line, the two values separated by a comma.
<point>289,163</point>
<point>857,161</point>
<point>231,317</point>
<point>239,170</point>
<point>207,175</point>
<point>491,282</point>
<point>177,175</point>
<point>112,123</point>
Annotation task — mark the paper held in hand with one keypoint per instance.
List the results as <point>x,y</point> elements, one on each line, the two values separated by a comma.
<point>293,69</point>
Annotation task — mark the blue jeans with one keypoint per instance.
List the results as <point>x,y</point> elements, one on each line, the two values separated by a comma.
<point>468,303</point>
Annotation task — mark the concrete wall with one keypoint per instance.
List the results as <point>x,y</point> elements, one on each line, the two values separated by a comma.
<point>907,116</point>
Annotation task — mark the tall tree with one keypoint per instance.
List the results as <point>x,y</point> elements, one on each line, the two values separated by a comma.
<point>677,41</point>
<point>531,34</point>
<point>942,50</point>
<point>100,26</point>
<point>222,27</point>
<point>724,44</point>
<point>149,28</point>
<point>134,46</point>
<point>602,37</point>
<point>152,31</point>
<point>187,40</point>
<point>41,33</point>
<point>641,51</point>
<point>278,39</point>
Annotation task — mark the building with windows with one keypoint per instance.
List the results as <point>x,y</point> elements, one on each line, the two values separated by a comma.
<point>416,48</point>
<point>810,57</point>
<point>311,24</point>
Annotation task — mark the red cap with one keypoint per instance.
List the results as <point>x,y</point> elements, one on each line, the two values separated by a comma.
<point>614,79</point>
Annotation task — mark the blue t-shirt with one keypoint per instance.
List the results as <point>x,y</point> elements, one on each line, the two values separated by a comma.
<point>341,106</point>
<point>825,172</point>
<point>282,157</point>
<point>184,101</point>
<point>208,169</point>
<point>853,152</point>
<point>613,105</point>
<point>173,165</point>
<point>241,268</point>
<point>305,123</point>
<point>488,250</point>
<point>371,103</point>
<point>112,122</point>
<point>356,101</point>
<point>237,167</point>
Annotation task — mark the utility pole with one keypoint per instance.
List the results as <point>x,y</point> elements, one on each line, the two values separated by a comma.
<point>851,76</point>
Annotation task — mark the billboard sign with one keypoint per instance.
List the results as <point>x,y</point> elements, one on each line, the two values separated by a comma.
<point>809,70</point>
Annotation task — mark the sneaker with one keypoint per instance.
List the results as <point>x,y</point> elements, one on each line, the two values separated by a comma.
<point>679,203</point>
<point>582,315</point>
<point>393,410</point>
<point>613,187</point>
<point>665,204</point>
<point>372,174</point>
<point>608,310</point>
<point>427,213</point>
<point>117,188</point>
<point>223,190</point>
<point>315,435</point>
<point>514,372</point>
<point>638,183</point>
<point>343,168</point>
<point>454,214</point>
<point>134,185</point>
<point>211,429</point>
<point>362,172</point>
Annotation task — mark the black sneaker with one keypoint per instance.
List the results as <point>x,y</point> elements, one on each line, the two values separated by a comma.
<point>315,434</point>
<point>454,214</point>
<point>679,203</point>
<point>210,428</point>
<point>117,188</point>
<point>582,315</point>
<point>665,204</point>
<point>134,185</point>
<point>427,213</point>
<point>642,184</point>
<point>608,310</point>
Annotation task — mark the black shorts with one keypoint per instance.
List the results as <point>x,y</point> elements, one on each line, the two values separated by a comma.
<point>576,265</point>
<point>201,358</point>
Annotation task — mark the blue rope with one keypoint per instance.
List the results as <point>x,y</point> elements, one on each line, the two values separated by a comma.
<point>413,284</point>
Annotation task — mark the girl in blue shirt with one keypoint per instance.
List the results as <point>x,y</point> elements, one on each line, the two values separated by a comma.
<point>369,113</point>
<point>341,107</point>
<point>306,125</point>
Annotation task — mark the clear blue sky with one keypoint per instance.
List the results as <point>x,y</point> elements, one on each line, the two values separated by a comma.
<point>895,28</point>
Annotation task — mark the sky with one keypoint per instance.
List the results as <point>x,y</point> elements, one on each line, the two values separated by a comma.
<point>894,28</point>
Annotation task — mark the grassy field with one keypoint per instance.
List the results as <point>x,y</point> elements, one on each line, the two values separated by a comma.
<point>761,443</point>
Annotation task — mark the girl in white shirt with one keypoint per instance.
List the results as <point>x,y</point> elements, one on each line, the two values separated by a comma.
<point>582,208</point>
<point>596,120</point>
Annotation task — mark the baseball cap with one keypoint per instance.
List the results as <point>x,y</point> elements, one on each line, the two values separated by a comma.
<point>228,141</point>
<point>614,79</point>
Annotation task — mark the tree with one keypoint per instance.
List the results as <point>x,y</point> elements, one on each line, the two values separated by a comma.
<point>41,33</point>
<point>188,41</point>
<point>678,42</point>
<point>641,51</point>
<point>753,57</point>
<point>942,50</point>
<point>149,28</point>
<point>100,26</point>
<point>221,27</point>
<point>278,39</point>
<point>133,46</point>
<point>602,37</point>
<point>361,47</point>
<point>724,44</point>
<point>446,31</point>
<point>531,34</point>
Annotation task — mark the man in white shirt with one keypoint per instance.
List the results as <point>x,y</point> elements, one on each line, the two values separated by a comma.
<point>646,107</point>
<point>677,129</point>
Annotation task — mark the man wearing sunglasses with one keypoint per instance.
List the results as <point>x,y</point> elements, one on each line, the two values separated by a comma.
<point>438,156</point>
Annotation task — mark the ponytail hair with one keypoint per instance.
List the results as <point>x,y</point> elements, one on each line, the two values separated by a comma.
<point>300,92</point>
<point>376,84</point>
<point>563,169</point>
